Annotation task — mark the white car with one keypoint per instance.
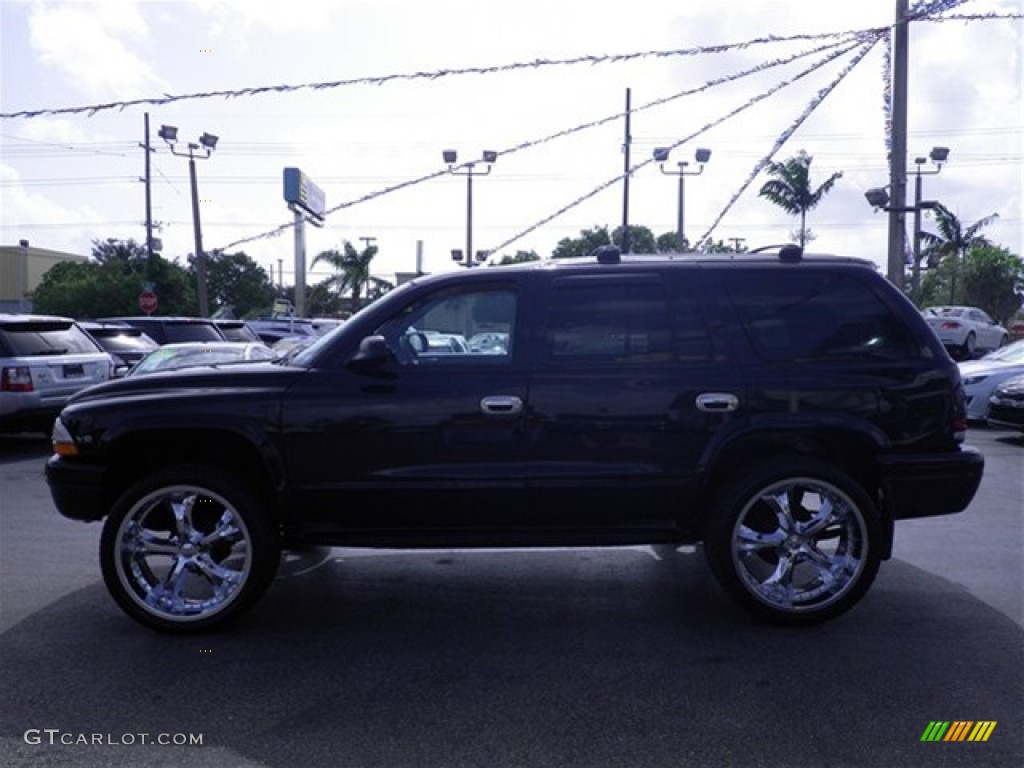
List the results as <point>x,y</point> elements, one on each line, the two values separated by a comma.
<point>981,377</point>
<point>966,331</point>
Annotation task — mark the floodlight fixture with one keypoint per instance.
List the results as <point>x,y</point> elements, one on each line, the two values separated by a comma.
<point>456,254</point>
<point>703,155</point>
<point>208,140</point>
<point>939,154</point>
<point>168,133</point>
<point>450,156</point>
<point>877,197</point>
<point>661,154</point>
<point>490,155</point>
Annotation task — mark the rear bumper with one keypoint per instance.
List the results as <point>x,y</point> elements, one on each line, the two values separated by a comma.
<point>76,488</point>
<point>928,485</point>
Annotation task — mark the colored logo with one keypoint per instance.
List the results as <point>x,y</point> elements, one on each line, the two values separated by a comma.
<point>958,730</point>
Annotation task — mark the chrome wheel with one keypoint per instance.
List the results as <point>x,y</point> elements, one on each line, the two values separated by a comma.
<point>795,540</point>
<point>799,545</point>
<point>183,552</point>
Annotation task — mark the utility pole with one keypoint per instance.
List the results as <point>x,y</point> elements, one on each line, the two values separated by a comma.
<point>898,149</point>
<point>737,242</point>
<point>149,198</point>
<point>625,179</point>
<point>367,241</point>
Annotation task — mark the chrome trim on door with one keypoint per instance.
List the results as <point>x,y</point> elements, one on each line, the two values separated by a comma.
<point>717,402</point>
<point>501,405</point>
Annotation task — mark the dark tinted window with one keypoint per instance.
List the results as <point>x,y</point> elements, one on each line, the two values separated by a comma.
<point>191,332</point>
<point>122,339</point>
<point>791,315</point>
<point>22,339</point>
<point>621,319</point>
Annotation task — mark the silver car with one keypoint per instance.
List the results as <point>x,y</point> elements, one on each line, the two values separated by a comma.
<point>966,331</point>
<point>981,377</point>
<point>43,361</point>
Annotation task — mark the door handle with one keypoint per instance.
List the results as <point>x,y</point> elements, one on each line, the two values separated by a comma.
<point>501,405</point>
<point>717,402</point>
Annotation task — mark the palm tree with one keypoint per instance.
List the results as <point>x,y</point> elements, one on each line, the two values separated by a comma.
<point>353,271</point>
<point>791,188</point>
<point>953,241</point>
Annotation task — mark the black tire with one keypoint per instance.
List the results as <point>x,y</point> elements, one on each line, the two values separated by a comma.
<point>187,549</point>
<point>970,346</point>
<point>794,540</point>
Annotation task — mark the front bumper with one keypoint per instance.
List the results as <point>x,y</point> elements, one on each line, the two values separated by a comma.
<point>928,485</point>
<point>76,488</point>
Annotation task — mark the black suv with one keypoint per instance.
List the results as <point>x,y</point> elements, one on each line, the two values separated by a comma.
<point>170,330</point>
<point>782,410</point>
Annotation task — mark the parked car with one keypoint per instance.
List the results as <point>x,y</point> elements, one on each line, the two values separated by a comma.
<point>191,354</point>
<point>982,376</point>
<point>783,410</point>
<point>273,329</point>
<point>1006,406</point>
<point>966,331</point>
<point>44,359</point>
<point>126,344</point>
<point>237,330</point>
<point>168,330</point>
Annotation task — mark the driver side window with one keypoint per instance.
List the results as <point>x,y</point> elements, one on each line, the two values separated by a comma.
<point>455,327</point>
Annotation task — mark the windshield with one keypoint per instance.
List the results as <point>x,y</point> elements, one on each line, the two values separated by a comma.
<point>1012,353</point>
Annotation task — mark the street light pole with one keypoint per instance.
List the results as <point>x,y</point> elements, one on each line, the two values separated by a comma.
<point>468,170</point>
<point>938,156</point>
<point>879,198</point>
<point>701,156</point>
<point>207,142</point>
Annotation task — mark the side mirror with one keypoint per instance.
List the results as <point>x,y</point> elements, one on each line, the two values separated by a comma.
<point>374,358</point>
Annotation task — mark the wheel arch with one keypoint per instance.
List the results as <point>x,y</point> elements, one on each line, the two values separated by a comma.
<point>848,450</point>
<point>248,457</point>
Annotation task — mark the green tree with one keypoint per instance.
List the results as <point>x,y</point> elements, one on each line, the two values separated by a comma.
<point>584,245</point>
<point>952,243</point>
<point>111,281</point>
<point>993,279</point>
<point>519,256</point>
<point>237,282</point>
<point>989,277</point>
<point>641,239</point>
<point>353,272</point>
<point>792,191</point>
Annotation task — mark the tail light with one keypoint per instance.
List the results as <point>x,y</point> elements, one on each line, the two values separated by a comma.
<point>16,379</point>
<point>950,325</point>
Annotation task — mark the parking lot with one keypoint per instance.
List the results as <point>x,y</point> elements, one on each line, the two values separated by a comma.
<point>618,657</point>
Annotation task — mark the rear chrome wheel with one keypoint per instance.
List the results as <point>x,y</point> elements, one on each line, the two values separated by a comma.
<point>187,550</point>
<point>796,541</point>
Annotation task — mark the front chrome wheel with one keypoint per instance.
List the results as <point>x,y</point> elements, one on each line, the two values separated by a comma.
<point>182,553</point>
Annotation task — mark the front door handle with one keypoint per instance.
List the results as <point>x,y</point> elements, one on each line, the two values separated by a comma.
<point>717,402</point>
<point>501,405</point>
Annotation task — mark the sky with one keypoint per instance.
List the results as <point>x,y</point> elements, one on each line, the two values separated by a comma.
<point>70,177</point>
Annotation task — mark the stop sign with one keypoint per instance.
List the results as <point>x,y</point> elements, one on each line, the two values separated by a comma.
<point>148,302</point>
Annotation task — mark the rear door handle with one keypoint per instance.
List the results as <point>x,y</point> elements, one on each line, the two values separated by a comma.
<point>717,402</point>
<point>501,405</point>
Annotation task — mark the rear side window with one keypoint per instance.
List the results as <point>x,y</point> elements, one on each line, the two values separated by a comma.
<point>813,315</point>
<point>45,337</point>
<point>619,319</point>
<point>191,332</point>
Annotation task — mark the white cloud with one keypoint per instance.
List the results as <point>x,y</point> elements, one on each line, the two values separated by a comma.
<point>98,47</point>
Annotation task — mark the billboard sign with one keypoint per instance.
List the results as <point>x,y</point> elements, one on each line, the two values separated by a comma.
<point>301,192</point>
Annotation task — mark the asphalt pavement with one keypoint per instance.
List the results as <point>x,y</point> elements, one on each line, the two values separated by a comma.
<point>618,657</point>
